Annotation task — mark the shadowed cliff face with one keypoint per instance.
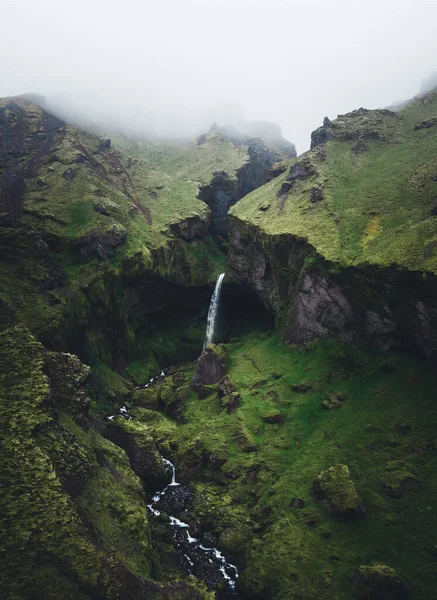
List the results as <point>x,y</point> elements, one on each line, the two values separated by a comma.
<point>225,190</point>
<point>27,136</point>
<point>311,298</point>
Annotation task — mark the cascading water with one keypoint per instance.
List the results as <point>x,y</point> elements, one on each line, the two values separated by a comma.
<point>213,312</point>
<point>193,552</point>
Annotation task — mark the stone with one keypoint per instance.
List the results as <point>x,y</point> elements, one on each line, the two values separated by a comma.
<point>335,490</point>
<point>359,147</point>
<point>273,417</point>
<point>203,391</point>
<point>333,401</point>
<point>101,209</point>
<point>378,582</point>
<point>398,482</point>
<point>210,367</point>
<point>301,388</point>
<point>146,398</point>
<point>316,194</point>
<point>226,387</point>
<point>297,503</point>
<point>69,174</point>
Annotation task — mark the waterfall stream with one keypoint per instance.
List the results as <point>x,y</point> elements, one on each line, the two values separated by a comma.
<point>192,549</point>
<point>213,312</point>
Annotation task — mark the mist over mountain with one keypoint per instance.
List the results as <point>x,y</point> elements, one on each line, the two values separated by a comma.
<point>172,69</point>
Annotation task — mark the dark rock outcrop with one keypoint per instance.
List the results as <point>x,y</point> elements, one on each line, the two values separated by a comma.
<point>226,387</point>
<point>210,366</point>
<point>100,243</point>
<point>191,228</point>
<point>143,456</point>
<point>335,490</point>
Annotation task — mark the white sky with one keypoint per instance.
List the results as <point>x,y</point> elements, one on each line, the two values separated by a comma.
<point>176,66</point>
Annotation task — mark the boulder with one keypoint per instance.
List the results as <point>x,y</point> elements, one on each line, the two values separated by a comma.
<point>378,582</point>
<point>335,490</point>
<point>333,401</point>
<point>226,387</point>
<point>146,398</point>
<point>316,194</point>
<point>396,483</point>
<point>210,366</point>
<point>274,416</point>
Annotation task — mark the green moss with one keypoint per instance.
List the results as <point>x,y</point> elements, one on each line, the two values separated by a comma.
<point>377,204</point>
<point>387,417</point>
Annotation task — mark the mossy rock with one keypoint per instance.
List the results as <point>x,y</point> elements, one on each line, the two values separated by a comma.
<point>378,582</point>
<point>146,398</point>
<point>210,366</point>
<point>230,402</point>
<point>333,401</point>
<point>398,482</point>
<point>273,417</point>
<point>335,490</point>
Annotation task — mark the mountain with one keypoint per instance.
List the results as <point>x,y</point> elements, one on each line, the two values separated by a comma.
<point>304,444</point>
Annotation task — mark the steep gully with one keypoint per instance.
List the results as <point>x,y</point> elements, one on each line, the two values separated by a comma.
<point>199,559</point>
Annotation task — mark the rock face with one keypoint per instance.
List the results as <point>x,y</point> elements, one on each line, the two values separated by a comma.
<point>378,582</point>
<point>141,450</point>
<point>210,367</point>
<point>191,228</point>
<point>335,490</point>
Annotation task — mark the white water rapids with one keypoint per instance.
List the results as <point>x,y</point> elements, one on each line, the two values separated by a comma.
<point>228,570</point>
<point>212,313</point>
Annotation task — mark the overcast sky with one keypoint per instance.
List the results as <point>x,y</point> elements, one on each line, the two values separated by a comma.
<point>179,65</point>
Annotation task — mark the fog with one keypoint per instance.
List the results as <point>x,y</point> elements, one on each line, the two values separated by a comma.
<point>174,68</point>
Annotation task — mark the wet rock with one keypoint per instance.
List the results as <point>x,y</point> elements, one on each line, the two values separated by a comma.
<point>316,194</point>
<point>396,483</point>
<point>210,367</point>
<point>100,242</point>
<point>273,417</point>
<point>276,375</point>
<point>144,458</point>
<point>226,387</point>
<point>378,582</point>
<point>333,401</point>
<point>191,228</point>
<point>335,490</point>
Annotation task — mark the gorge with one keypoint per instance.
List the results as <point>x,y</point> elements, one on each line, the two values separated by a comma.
<point>303,434</point>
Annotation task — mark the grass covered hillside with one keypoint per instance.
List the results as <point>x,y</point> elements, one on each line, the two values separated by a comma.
<point>365,193</point>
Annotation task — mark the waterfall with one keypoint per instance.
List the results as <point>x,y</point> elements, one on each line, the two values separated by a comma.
<point>212,312</point>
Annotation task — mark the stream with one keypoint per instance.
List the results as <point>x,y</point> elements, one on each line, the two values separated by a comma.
<point>200,559</point>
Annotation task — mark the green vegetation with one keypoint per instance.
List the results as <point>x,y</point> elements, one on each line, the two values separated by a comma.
<point>377,204</point>
<point>387,420</point>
